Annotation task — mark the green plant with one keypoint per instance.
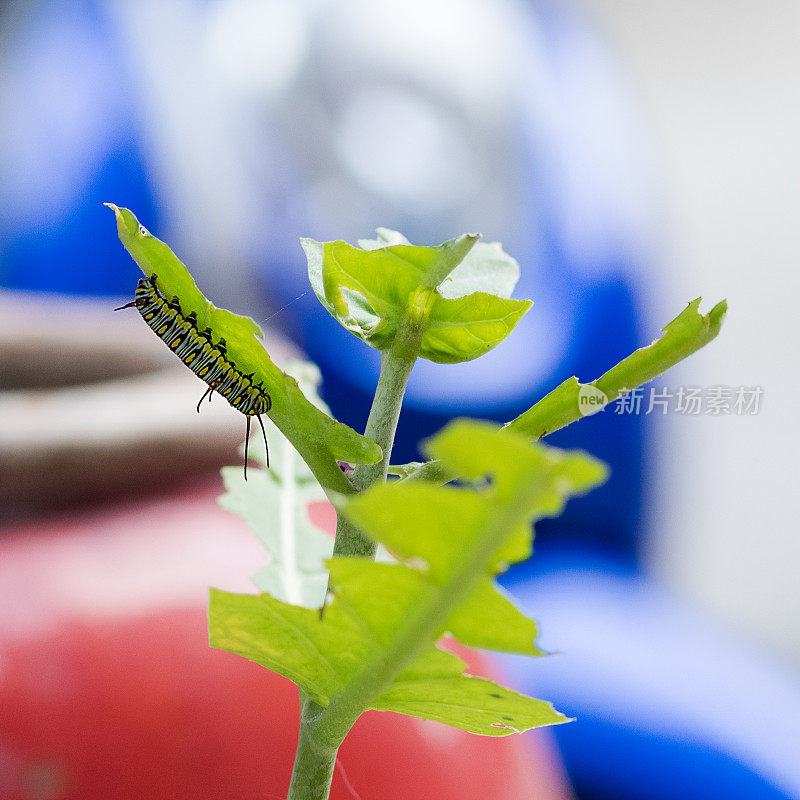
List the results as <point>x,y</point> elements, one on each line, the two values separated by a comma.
<point>451,524</point>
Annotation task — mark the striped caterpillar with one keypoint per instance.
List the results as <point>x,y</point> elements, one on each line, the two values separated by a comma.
<point>207,360</point>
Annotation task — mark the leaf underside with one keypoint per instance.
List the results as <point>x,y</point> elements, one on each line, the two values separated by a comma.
<point>275,504</point>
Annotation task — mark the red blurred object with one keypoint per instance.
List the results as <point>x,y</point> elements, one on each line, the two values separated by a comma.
<point>108,688</point>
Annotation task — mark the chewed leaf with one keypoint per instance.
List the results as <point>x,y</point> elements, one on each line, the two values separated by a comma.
<point>572,400</point>
<point>686,334</point>
<point>375,646</point>
<point>574,472</point>
<point>462,286</point>
<point>320,440</point>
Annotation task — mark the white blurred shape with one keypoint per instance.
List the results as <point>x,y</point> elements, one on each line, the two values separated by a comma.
<point>257,44</point>
<point>461,45</point>
<point>605,169</point>
<point>430,165</point>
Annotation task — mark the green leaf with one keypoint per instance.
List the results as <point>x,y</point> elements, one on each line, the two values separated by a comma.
<point>686,334</point>
<point>321,655</point>
<point>473,704</point>
<point>290,640</point>
<point>485,268</point>
<point>467,327</point>
<point>489,620</point>
<point>447,290</point>
<point>320,440</point>
<point>375,645</point>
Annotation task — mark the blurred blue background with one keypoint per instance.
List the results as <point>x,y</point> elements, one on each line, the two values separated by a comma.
<point>573,133</point>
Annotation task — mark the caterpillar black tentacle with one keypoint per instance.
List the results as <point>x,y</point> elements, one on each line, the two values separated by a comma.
<point>263,430</point>
<point>208,392</point>
<point>197,350</point>
<point>246,443</point>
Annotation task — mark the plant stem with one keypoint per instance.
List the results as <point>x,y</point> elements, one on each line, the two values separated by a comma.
<point>314,763</point>
<point>396,365</point>
<point>316,758</point>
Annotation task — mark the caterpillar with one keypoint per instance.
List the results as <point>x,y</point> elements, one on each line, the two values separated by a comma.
<point>197,350</point>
